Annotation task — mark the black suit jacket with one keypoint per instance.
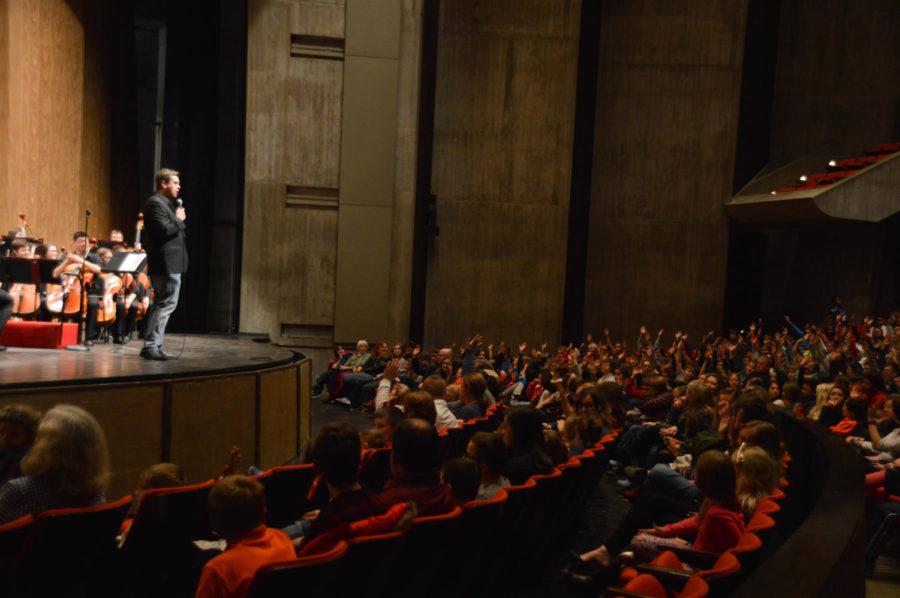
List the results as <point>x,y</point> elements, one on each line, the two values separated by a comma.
<point>164,237</point>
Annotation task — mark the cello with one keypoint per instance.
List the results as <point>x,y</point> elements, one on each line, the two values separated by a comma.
<point>24,295</point>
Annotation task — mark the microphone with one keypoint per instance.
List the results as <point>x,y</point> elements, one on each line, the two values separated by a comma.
<point>179,202</point>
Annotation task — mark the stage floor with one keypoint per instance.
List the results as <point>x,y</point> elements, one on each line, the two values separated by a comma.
<point>105,363</point>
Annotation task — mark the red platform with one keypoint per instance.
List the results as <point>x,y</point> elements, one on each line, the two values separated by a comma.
<point>38,335</point>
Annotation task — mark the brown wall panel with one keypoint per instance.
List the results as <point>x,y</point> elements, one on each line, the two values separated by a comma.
<point>131,418</point>
<point>292,166</point>
<point>666,126</point>
<point>305,397</point>
<point>504,117</point>
<point>209,417</point>
<point>279,433</point>
<point>56,118</point>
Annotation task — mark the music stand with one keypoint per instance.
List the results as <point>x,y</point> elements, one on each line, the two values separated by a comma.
<point>29,270</point>
<point>125,262</point>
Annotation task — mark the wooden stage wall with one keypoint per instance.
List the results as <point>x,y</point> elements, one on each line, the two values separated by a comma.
<point>192,421</point>
<point>56,119</point>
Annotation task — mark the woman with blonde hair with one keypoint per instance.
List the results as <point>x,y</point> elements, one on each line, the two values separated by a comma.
<point>68,466</point>
<point>757,476</point>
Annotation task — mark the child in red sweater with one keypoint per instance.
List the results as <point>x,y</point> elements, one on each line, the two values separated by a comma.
<point>237,509</point>
<point>716,528</point>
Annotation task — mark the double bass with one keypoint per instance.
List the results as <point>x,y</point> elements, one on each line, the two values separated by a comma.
<point>131,282</point>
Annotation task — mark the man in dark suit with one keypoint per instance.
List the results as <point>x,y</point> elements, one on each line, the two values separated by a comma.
<point>167,257</point>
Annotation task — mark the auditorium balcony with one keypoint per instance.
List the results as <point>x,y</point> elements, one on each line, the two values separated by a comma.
<point>822,187</point>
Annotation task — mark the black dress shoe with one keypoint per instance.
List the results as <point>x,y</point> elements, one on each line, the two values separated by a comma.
<point>88,342</point>
<point>153,354</point>
<point>167,355</point>
<point>117,340</point>
<point>2,348</point>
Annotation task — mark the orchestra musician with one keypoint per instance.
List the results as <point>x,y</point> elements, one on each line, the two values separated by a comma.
<point>116,236</point>
<point>17,248</point>
<point>166,257</point>
<point>80,257</point>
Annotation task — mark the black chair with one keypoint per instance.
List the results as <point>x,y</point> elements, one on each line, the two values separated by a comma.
<point>287,489</point>
<point>12,540</point>
<point>369,568</point>
<point>310,576</point>
<point>159,548</point>
<point>480,541</point>
<point>78,545</point>
<point>427,550</point>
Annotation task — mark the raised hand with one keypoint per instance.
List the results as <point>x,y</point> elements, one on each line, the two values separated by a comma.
<point>392,370</point>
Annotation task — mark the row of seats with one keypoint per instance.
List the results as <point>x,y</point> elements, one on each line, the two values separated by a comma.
<point>485,547</point>
<point>838,170</point>
<point>688,573</point>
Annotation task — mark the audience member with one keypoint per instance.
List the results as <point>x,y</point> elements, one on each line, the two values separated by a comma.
<point>523,435</point>
<point>237,511</point>
<point>68,466</point>
<point>18,426</point>
<point>463,477</point>
<point>489,451</point>
<point>436,387</point>
<point>414,470</point>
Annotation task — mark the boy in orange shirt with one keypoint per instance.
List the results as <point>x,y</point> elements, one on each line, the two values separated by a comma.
<point>237,510</point>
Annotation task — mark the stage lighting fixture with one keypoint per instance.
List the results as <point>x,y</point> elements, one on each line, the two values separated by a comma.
<point>832,163</point>
<point>773,192</point>
<point>803,178</point>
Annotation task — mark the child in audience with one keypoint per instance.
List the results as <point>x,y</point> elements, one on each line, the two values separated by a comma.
<point>18,426</point>
<point>757,477</point>
<point>336,454</point>
<point>523,434</point>
<point>160,475</point>
<point>463,477</point>
<point>716,528</point>
<point>489,452</point>
<point>237,509</point>
<point>555,447</point>
<point>574,431</point>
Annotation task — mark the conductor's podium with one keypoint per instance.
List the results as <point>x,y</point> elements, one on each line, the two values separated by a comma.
<point>38,335</point>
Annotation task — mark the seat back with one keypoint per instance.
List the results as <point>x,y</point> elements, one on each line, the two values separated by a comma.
<point>12,540</point>
<point>286,493</point>
<point>514,530</point>
<point>313,575</point>
<point>645,585</point>
<point>725,566</point>
<point>749,542</point>
<point>760,522</point>
<point>479,539</point>
<point>88,538</point>
<point>159,546</point>
<point>544,525</point>
<point>428,548</point>
<point>768,507</point>
<point>369,568</point>
<point>696,587</point>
